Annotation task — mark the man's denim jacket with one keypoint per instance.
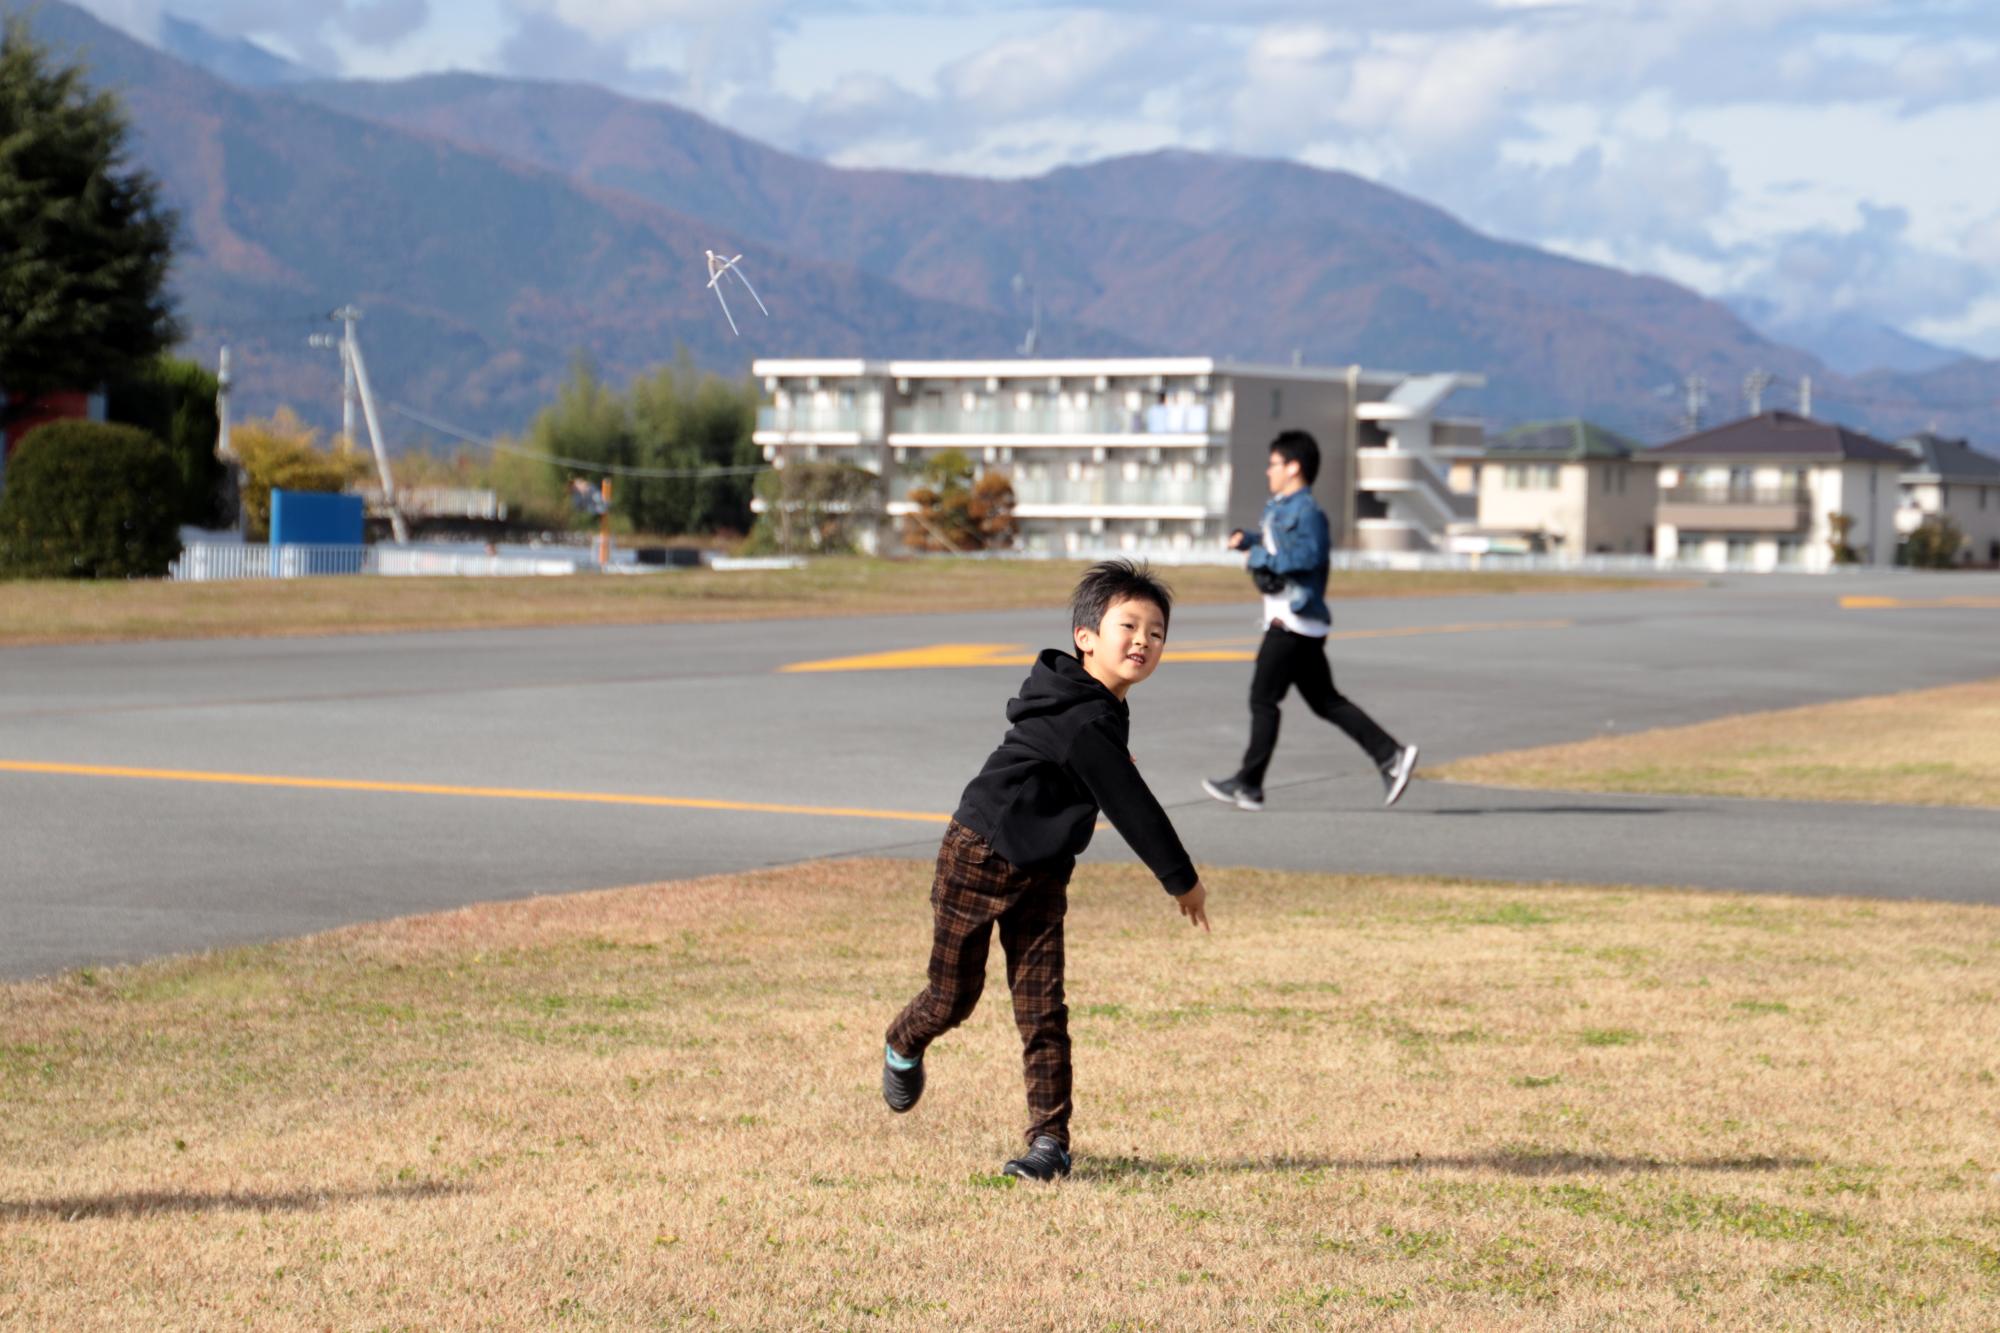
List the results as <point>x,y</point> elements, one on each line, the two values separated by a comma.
<point>1296,526</point>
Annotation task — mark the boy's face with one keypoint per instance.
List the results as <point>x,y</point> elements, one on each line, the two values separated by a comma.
<point>1126,645</point>
<point>1283,474</point>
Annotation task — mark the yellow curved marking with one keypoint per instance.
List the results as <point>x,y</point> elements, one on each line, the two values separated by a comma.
<point>941,655</point>
<point>442,789</point>
<point>1863,603</point>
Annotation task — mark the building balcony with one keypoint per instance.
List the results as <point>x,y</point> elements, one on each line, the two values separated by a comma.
<point>817,420</point>
<point>1209,495</point>
<point>1773,509</point>
<point>1054,422</point>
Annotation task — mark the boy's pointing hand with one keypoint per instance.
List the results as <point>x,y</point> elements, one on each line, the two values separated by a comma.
<point>1194,905</point>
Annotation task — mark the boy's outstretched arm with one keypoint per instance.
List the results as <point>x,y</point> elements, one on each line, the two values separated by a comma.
<point>1194,905</point>
<point>1107,770</point>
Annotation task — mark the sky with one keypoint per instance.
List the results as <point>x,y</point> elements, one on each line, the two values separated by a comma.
<point>1822,157</point>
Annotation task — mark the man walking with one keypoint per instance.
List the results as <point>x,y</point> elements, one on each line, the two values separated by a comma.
<point>1289,565</point>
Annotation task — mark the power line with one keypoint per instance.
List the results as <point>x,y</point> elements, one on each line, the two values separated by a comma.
<point>579,464</point>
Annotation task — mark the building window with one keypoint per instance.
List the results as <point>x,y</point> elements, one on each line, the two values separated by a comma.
<point>1277,403</point>
<point>1530,476</point>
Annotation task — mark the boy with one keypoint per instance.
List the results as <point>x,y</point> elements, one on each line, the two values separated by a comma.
<point>1009,850</point>
<point>1289,564</point>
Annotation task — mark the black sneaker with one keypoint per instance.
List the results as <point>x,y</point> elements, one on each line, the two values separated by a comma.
<point>1233,791</point>
<point>1396,774</point>
<point>901,1087</point>
<point>1046,1160</point>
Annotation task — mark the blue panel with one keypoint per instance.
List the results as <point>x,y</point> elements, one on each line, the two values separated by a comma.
<point>315,518</point>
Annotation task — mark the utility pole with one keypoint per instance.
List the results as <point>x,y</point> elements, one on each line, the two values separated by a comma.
<point>1696,390</point>
<point>604,525</point>
<point>1033,339</point>
<point>222,382</point>
<point>1805,395</point>
<point>349,314</point>
<point>1754,385</point>
<point>355,372</point>
<point>223,449</point>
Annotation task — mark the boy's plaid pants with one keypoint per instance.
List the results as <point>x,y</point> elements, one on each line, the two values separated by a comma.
<point>974,890</point>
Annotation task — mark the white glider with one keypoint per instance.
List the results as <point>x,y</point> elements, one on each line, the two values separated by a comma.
<point>717,267</point>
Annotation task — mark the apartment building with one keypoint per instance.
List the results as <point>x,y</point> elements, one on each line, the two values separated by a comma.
<point>1145,454</point>
<point>1570,488</point>
<point>1951,478</point>
<point>1763,493</point>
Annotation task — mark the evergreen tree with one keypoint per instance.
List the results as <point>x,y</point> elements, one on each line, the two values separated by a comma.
<point>83,267</point>
<point>173,400</point>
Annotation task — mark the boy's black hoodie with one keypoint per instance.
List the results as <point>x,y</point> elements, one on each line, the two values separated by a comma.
<point>1064,758</point>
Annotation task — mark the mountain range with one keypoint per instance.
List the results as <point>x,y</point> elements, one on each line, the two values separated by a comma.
<point>494,229</point>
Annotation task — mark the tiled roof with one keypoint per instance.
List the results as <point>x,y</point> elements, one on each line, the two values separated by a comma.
<point>1781,435</point>
<point>1573,438</point>
<point>1949,460</point>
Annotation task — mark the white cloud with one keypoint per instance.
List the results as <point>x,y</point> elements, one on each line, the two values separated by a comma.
<point>1829,151</point>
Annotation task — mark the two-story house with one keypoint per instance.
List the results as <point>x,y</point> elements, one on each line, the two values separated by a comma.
<point>1570,488</point>
<point>1775,491</point>
<point>1951,478</point>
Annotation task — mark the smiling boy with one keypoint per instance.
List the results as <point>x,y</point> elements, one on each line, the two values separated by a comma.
<point>1009,850</point>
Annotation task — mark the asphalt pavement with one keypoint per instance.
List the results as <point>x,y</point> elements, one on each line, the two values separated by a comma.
<point>162,797</point>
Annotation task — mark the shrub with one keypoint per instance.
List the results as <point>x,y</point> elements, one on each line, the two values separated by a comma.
<point>89,500</point>
<point>283,453</point>
<point>1934,544</point>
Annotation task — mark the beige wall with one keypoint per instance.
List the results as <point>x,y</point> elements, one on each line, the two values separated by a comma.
<point>1314,406</point>
<point>1579,514</point>
<point>1619,517</point>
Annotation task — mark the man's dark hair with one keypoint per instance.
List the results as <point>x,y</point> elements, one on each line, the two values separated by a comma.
<point>1112,581</point>
<point>1296,446</point>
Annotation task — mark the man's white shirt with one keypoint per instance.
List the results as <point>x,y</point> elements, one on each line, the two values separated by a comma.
<point>1278,606</point>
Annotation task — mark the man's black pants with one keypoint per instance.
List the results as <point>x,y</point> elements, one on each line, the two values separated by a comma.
<point>1287,659</point>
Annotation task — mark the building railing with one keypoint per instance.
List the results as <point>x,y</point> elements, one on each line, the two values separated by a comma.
<point>808,418</point>
<point>1159,419</point>
<point>1711,493</point>
<point>1210,493</point>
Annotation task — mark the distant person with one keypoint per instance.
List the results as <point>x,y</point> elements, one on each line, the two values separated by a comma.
<point>1009,851</point>
<point>1288,562</point>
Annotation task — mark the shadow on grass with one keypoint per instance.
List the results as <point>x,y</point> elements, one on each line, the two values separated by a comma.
<point>147,1203</point>
<point>1506,1163</point>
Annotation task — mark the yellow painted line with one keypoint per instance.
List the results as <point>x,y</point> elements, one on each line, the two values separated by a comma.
<point>1858,603</point>
<point>937,655</point>
<point>440,789</point>
<point>946,655</point>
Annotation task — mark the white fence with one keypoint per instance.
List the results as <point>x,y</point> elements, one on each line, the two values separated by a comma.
<point>202,562</point>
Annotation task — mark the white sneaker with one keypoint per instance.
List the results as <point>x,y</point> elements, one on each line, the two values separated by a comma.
<point>1396,774</point>
<point>1231,791</point>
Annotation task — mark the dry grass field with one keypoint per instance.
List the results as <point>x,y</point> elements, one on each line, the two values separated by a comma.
<point>1926,747</point>
<point>1359,1103</point>
<point>50,611</point>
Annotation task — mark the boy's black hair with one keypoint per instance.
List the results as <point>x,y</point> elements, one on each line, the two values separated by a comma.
<point>1112,581</point>
<point>1296,446</point>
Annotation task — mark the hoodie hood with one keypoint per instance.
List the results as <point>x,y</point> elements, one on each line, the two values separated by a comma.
<point>1058,683</point>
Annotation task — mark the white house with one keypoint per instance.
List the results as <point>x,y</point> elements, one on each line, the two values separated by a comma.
<point>1765,493</point>
<point>1951,478</point>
